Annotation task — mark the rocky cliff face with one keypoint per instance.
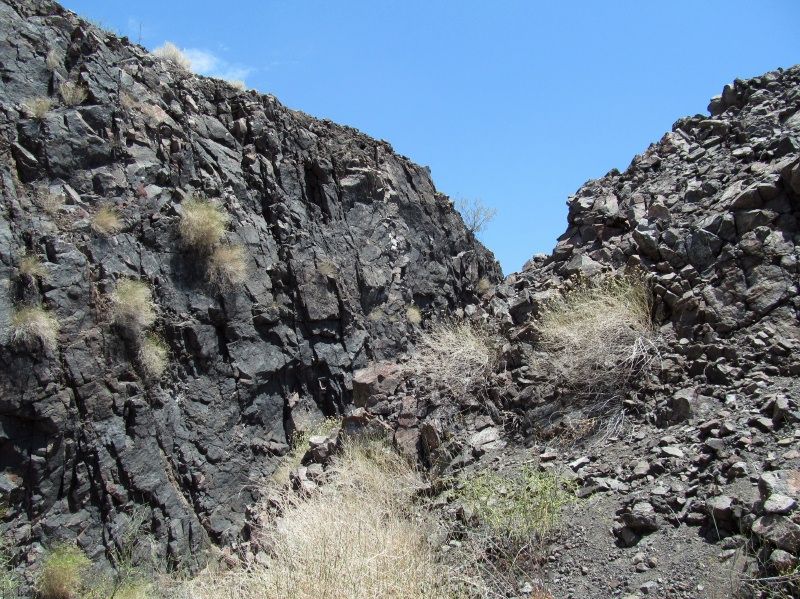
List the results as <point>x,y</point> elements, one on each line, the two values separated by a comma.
<point>341,237</point>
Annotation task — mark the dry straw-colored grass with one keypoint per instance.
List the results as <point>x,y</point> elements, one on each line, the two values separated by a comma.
<point>598,337</point>
<point>106,221</point>
<point>33,326</point>
<point>413,315</point>
<point>49,201</point>
<point>203,223</point>
<point>31,267</point>
<point>38,107</point>
<point>53,60</point>
<point>356,538</point>
<point>153,355</point>
<point>132,304</point>
<point>73,94</point>
<point>62,574</point>
<point>227,266</point>
<point>170,53</point>
<point>454,353</point>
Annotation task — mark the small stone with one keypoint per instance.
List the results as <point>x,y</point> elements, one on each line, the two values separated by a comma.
<point>779,504</point>
<point>778,530</point>
<point>782,561</point>
<point>672,451</point>
<point>641,518</point>
<point>649,588</point>
<point>579,463</point>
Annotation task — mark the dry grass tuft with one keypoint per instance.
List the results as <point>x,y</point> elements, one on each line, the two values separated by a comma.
<point>62,573</point>
<point>355,538</point>
<point>203,223</point>
<point>72,94</point>
<point>106,221</point>
<point>132,304</point>
<point>484,286</point>
<point>39,107</point>
<point>153,355</point>
<point>33,326</point>
<point>598,337</point>
<point>48,201</point>
<point>237,84</point>
<point>170,53</point>
<point>53,60</point>
<point>413,315</point>
<point>227,266</point>
<point>31,267</point>
<point>454,353</point>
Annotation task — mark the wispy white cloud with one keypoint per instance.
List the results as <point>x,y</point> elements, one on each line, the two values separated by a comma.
<point>205,62</point>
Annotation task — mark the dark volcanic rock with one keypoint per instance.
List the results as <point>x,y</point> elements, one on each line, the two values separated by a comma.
<point>341,237</point>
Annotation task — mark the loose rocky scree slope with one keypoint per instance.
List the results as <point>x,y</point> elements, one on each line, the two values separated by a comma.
<point>686,477</point>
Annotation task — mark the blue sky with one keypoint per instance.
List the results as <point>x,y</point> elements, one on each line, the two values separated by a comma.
<point>514,102</point>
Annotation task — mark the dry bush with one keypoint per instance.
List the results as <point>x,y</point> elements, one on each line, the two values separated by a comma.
<point>31,267</point>
<point>454,353</point>
<point>62,574</point>
<point>170,53</point>
<point>475,213</point>
<point>597,338</point>
<point>72,94</point>
<point>9,579</point>
<point>106,221</point>
<point>227,266</point>
<point>203,223</point>
<point>153,355</point>
<point>32,326</point>
<point>53,60</point>
<point>39,107</point>
<point>132,304</point>
<point>413,315</point>
<point>357,537</point>
<point>237,84</point>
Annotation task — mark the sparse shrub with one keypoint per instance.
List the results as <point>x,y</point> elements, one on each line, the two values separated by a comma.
<point>413,315</point>
<point>517,506</point>
<point>30,266</point>
<point>72,94</point>
<point>106,221</point>
<point>227,266</point>
<point>53,60</point>
<point>357,537</point>
<point>39,107</point>
<point>203,223</point>
<point>475,213</point>
<point>170,53</point>
<point>62,573</point>
<point>132,304</point>
<point>153,355</point>
<point>508,518</point>
<point>236,84</point>
<point>32,326</point>
<point>597,338</point>
<point>9,580</point>
<point>454,353</point>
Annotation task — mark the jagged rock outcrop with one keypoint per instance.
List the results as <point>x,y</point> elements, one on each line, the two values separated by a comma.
<point>341,237</point>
